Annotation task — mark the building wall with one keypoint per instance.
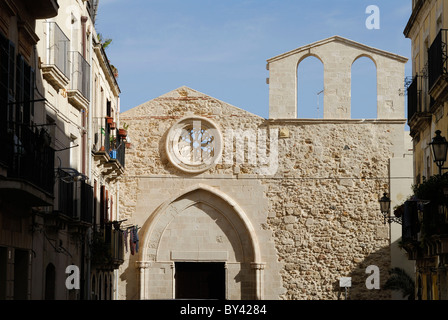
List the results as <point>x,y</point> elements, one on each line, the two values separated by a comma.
<point>427,20</point>
<point>422,30</point>
<point>313,210</point>
<point>44,231</point>
<point>22,244</point>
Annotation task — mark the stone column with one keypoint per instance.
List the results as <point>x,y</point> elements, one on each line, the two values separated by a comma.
<point>173,287</point>
<point>259,283</point>
<point>142,266</point>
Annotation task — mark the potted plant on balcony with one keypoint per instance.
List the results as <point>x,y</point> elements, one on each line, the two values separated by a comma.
<point>128,143</point>
<point>123,131</point>
<point>109,120</point>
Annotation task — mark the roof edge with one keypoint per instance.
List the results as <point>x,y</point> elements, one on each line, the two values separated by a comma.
<point>168,95</point>
<point>337,38</point>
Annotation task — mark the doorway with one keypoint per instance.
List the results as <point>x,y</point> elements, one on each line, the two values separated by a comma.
<point>200,280</point>
<point>21,274</point>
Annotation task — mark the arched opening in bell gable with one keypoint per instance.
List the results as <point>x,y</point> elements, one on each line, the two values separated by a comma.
<point>364,89</point>
<point>310,86</point>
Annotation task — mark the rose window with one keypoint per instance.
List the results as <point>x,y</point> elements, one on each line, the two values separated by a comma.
<point>194,144</point>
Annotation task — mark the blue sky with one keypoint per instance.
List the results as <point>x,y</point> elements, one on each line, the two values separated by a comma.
<point>220,48</point>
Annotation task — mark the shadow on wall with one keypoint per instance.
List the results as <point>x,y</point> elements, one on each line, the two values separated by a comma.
<point>369,280</point>
<point>130,277</point>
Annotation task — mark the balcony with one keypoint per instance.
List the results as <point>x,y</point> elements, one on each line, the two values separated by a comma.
<point>107,247</point>
<point>29,161</point>
<point>92,8</point>
<point>56,69</point>
<point>42,9</point>
<point>438,64</point>
<point>417,106</point>
<point>425,219</point>
<point>414,101</point>
<point>411,229</point>
<point>108,147</point>
<point>79,92</point>
<point>75,198</point>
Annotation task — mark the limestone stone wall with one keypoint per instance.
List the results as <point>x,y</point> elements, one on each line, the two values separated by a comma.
<point>324,207</point>
<point>315,218</point>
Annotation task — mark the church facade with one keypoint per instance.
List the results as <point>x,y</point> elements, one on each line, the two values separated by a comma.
<point>230,205</point>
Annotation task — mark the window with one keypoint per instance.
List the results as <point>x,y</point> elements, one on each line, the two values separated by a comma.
<point>7,72</point>
<point>108,108</point>
<point>24,107</point>
<point>194,144</point>
<point>104,206</point>
<point>95,203</point>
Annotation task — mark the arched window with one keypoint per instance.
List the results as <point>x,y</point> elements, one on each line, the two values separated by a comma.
<point>364,89</point>
<point>310,86</point>
<point>50,281</point>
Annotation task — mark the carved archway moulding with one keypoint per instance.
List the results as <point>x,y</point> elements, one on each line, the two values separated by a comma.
<point>158,221</point>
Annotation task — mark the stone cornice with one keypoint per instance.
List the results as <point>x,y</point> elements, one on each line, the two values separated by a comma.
<point>336,121</point>
<point>412,19</point>
<point>342,40</point>
<point>105,65</point>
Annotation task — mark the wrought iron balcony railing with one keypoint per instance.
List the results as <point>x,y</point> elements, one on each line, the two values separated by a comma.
<point>438,59</point>
<point>118,150</point>
<point>414,98</point>
<point>410,221</point>
<point>102,133</point>
<point>108,247</point>
<point>108,141</point>
<point>27,155</point>
<point>115,240</point>
<point>75,198</point>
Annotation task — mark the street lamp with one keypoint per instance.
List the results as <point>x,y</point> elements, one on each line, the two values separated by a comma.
<point>385,210</point>
<point>385,206</point>
<point>439,147</point>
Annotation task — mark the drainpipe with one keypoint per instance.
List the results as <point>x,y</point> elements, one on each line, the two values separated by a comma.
<point>84,125</point>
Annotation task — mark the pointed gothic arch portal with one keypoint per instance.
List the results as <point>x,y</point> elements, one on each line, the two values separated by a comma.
<point>310,86</point>
<point>364,100</point>
<point>201,228</point>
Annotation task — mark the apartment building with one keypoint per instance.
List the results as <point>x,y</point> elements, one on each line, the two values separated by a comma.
<point>59,180</point>
<point>424,233</point>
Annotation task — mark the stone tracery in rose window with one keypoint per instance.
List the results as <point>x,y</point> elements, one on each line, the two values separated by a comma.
<point>196,145</point>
